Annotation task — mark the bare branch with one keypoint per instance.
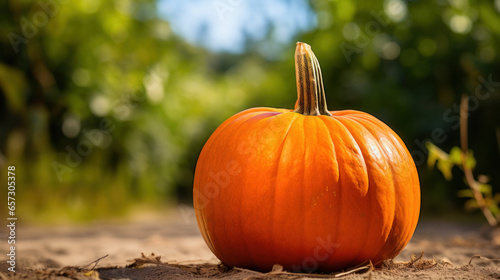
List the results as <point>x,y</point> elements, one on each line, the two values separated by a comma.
<point>471,181</point>
<point>96,262</point>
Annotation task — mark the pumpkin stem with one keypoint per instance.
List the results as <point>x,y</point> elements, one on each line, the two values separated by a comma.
<point>311,93</point>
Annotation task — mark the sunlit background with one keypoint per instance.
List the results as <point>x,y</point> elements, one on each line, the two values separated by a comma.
<point>105,105</point>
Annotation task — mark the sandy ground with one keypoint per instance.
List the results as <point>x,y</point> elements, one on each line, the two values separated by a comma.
<point>43,253</point>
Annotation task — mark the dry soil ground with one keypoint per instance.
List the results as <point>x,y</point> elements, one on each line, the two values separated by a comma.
<point>67,253</point>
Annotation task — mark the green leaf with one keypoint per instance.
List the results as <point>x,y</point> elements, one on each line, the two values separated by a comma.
<point>456,156</point>
<point>432,157</point>
<point>485,189</point>
<point>470,161</point>
<point>445,167</point>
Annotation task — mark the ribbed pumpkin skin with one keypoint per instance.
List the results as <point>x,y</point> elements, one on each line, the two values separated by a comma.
<point>272,187</point>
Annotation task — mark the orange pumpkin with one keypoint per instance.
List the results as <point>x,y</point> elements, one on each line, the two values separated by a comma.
<point>307,188</point>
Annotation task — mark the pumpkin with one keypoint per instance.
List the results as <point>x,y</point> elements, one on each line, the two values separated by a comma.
<point>309,189</point>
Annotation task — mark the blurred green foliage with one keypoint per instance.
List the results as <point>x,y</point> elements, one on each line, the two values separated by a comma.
<point>116,68</point>
<point>446,161</point>
<point>104,62</point>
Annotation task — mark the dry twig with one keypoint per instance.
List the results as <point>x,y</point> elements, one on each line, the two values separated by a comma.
<point>368,266</point>
<point>96,262</point>
<point>278,271</point>
<point>471,181</point>
<point>414,259</point>
<point>482,258</point>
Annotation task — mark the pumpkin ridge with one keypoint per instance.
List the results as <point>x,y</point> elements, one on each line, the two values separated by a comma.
<point>369,191</point>
<point>275,181</point>
<point>311,131</point>
<point>338,195</point>
<point>342,158</point>
<point>403,153</point>
<point>256,114</point>
<point>238,123</point>
<point>261,121</point>
<point>393,182</point>
<point>244,113</point>
<point>279,149</point>
<point>303,221</point>
<point>405,157</point>
<point>348,113</point>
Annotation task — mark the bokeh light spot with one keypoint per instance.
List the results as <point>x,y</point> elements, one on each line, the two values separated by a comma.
<point>154,83</point>
<point>71,126</point>
<point>460,24</point>
<point>396,10</point>
<point>99,105</point>
<point>391,50</point>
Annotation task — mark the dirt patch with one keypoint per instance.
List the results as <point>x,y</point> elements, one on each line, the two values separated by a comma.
<point>70,252</point>
<point>150,268</point>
